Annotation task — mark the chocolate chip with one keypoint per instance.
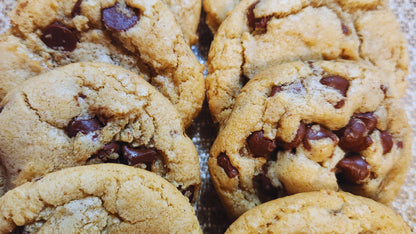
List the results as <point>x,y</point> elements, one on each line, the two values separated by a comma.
<point>355,136</point>
<point>76,10</point>
<point>224,162</point>
<point>109,149</point>
<point>257,25</point>
<point>119,18</point>
<point>339,104</point>
<point>300,134</point>
<point>139,155</point>
<point>345,29</point>
<point>188,192</point>
<point>260,145</point>
<point>337,82</point>
<point>386,141</point>
<point>313,134</point>
<point>58,37</point>
<point>353,169</point>
<point>1,108</point>
<point>84,126</point>
<point>399,144</point>
<point>275,90</point>
<point>369,120</point>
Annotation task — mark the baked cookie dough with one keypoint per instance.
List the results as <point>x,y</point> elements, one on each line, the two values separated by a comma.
<point>320,212</point>
<point>87,113</point>
<point>307,126</point>
<point>260,34</point>
<point>142,36</point>
<point>105,198</point>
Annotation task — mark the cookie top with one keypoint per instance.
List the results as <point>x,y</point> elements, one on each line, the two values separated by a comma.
<point>187,13</point>
<point>320,212</point>
<point>142,36</point>
<point>105,198</point>
<point>86,113</point>
<point>259,34</point>
<point>306,126</point>
<point>217,11</point>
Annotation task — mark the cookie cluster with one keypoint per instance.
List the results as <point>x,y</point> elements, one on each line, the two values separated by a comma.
<point>306,95</point>
<point>95,97</point>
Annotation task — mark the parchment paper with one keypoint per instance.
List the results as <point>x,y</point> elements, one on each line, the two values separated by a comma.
<point>208,208</point>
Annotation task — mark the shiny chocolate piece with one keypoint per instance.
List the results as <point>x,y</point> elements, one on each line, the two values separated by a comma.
<point>355,136</point>
<point>340,104</point>
<point>300,134</point>
<point>257,25</point>
<point>224,162</point>
<point>312,134</point>
<point>83,126</point>
<point>275,90</point>
<point>386,141</point>
<point>337,82</point>
<point>59,37</point>
<point>260,145</point>
<point>353,169</point>
<point>107,150</point>
<point>139,155</point>
<point>119,18</point>
<point>369,120</point>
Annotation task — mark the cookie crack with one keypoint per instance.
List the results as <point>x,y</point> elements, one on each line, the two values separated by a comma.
<point>35,111</point>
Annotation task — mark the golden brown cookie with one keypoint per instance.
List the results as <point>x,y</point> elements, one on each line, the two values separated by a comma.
<point>306,126</point>
<point>260,34</point>
<point>105,198</point>
<point>142,36</point>
<point>320,212</point>
<point>87,113</point>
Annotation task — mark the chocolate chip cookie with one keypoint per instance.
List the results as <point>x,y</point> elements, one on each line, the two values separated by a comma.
<point>320,212</point>
<point>259,34</point>
<point>106,198</point>
<point>87,113</point>
<point>139,35</point>
<point>306,126</point>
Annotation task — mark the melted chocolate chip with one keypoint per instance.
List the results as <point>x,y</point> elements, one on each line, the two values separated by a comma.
<point>340,104</point>
<point>312,134</point>
<point>353,169</point>
<point>58,37</point>
<point>119,18</point>
<point>337,82</point>
<point>369,120</point>
<point>224,162</point>
<point>107,150</point>
<point>76,10</point>
<point>345,29</point>
<point>84,126</point>
<point>275,90</point>
<point>355,136</point>
<point>250,15</point>
<point>300,134</point>
<point>139,155</point>
<point>386,141</point>
<point>257,25</point>
<point>260,145</point>
<point>399,144</point>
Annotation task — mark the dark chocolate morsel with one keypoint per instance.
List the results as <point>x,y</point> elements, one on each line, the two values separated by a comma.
<point>119,18</point>
<point>84,126</point>
<point>275,90</point>
<point>260,145</point>
<point>300,134</point>
<point>312,134</point>
<point>108,149</point>
<point>345,29</point>
<point>76,10</point>
<point>256,24</point>
<point>58,37</point>
<point>139,155</point>
<point>355,136</point>
<point>224,162</point>
<point>337,82</point>
<point>399,144</point>
<point>386,141</point>
<point>340,104</point>
<point>250,15</point>
<point>369,120</point>
<point>353,169</point>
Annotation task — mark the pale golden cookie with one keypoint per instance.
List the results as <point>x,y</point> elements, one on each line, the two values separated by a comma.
<point>87,113</point>
<point>320,212</point>
<point>142,36</point>
<point>306,126</point>
<point>259,34</point>
<point>106,198</point>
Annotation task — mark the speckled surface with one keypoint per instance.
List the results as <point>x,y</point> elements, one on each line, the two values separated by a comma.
<point>209,210</point>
